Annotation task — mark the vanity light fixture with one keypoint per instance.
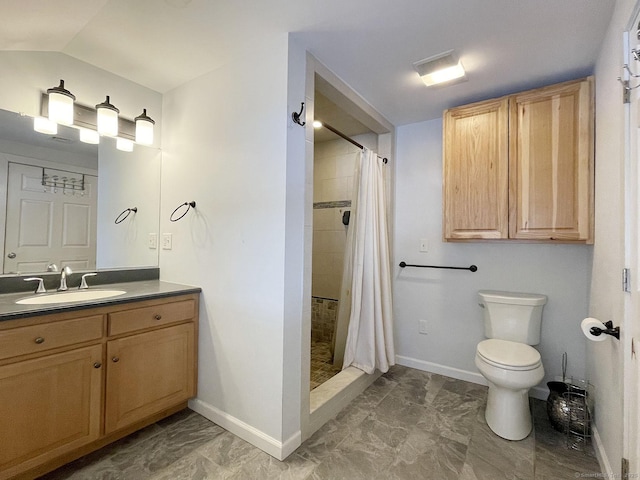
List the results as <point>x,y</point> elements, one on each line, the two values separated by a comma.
<point>124,144</point>
<point>107,118</point>
<point>92,123</point>
<point>44,125</point>
<point>144,128</point>
<point>89,136</point>
<point>442,68</point>
<point>61,104</point>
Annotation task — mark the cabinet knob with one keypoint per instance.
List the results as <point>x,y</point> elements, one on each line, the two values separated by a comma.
<point>39,340</point>
<point>157,316</point>
<point>97,365</point>
<point>115,359</point>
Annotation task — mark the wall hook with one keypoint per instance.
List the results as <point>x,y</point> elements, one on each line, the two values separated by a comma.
<point>296,116</point>
<point>189,205</point>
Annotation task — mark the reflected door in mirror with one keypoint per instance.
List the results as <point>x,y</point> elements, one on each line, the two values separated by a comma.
<point>48,225</point>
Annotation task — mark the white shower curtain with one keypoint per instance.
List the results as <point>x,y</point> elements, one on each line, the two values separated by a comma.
<point>370,335</point>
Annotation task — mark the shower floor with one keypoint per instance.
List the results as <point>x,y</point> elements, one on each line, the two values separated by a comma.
<point>322,368</point>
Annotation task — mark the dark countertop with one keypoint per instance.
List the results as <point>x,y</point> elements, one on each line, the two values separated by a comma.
<point>10,310</point>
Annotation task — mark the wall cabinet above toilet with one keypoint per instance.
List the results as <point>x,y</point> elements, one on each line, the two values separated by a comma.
<point>520,167</point>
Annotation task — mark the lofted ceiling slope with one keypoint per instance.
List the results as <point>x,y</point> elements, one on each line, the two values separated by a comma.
<point>505,45</point>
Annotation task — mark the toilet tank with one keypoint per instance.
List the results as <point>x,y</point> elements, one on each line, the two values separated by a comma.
<point>512,316</point>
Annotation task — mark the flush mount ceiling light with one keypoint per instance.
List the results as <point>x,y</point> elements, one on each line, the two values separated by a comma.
<point>442,68</point>
<point>61,104</point>
<point>107,118</point>
<point>317,124</point>
<point>144,128</point>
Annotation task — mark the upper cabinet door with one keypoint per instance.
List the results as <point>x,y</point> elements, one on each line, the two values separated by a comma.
<point>551,163</point>
<point>475,171</point>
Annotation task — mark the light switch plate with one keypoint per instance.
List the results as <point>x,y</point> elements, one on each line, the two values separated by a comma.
<point>167,241</point>
<point>422,327</point>
<point>153,240</point>
<point>424,245</point>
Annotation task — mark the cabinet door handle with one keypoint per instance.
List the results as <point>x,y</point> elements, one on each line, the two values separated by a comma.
<point>97,365</point>
<point>157,316</point>
<point>115,359</point>
<point>39,340</point>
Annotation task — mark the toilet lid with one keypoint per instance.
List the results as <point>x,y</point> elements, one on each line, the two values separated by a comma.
<point>509,355</point>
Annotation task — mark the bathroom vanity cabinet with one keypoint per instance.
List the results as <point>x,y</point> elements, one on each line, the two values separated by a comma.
<point>521,167</point>
<point>73,382</point>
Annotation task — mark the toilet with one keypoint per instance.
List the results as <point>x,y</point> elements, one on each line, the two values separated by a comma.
<point>507,360</point>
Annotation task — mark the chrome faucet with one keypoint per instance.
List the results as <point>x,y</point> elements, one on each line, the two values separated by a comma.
<point>63,278</point>
<point>40,281</point>
<point>83,283</point>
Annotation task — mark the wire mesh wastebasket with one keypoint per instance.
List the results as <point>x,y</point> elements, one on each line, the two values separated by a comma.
<point>569,409</point>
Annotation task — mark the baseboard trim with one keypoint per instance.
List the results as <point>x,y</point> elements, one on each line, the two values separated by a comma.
<point>538,392</point>
<point>601,454</point>
<point>257,438</point>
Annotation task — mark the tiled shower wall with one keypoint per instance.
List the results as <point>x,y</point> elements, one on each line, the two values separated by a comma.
<point>332,185</point>
<point>324,313</point>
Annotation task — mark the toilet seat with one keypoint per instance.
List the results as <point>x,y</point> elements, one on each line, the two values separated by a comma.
<point>509,355</point>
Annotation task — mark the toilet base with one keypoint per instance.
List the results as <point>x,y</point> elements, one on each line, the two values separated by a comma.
<point>507,413</point>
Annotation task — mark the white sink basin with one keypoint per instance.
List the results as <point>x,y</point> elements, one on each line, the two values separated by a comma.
<point>73,296</point>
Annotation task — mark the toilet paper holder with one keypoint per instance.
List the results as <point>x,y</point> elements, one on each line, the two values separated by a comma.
<point>610,330</point>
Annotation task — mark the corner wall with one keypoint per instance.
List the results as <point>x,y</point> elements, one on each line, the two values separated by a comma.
<point>225,146</point>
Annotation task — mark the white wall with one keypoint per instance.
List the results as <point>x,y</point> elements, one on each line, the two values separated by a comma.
<point>225,146</point>
<point>607,300</point>
<point>297,284</point>
<point>447,299</point>
<point>128,180</point>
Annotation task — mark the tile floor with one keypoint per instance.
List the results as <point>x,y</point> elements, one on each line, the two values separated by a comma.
<point>322,368</point>
<point>408,425</point>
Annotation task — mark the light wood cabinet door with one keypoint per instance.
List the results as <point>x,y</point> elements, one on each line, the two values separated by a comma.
<point>48,406</point>
<point>551,163</point>
<point>475,171</point>
<point>148,373</point>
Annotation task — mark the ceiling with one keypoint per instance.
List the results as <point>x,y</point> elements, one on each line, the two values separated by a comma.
<point>505,45</point>
<point>328,112</point>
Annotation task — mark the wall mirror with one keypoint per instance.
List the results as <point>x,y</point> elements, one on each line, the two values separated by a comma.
<point>60,199</point>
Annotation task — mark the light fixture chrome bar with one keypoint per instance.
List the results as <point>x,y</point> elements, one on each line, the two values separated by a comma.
<point>86,117</point>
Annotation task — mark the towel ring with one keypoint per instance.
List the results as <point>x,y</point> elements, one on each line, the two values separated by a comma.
<point>189,205</point>
<point>125,213</point>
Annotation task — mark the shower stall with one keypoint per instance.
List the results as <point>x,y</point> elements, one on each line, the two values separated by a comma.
<point>334,163</point>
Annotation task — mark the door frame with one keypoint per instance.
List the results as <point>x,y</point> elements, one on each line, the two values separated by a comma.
<point>631,413</point>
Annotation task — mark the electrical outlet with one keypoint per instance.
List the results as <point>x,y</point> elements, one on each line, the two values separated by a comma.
<point>167,242</point>
<point>424,245</point>
<point>422,326</point>
<point>153,240</point>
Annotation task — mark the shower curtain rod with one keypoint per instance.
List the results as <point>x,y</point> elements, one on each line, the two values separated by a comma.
<point>348,139</point>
